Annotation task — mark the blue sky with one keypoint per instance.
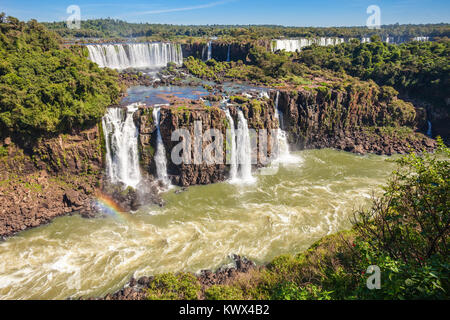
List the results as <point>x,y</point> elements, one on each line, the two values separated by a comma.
<point>280,12</point>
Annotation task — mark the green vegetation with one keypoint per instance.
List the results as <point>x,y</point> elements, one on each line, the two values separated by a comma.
<point>183,286</point>
<point>405,233</point>
<point>223,292</point>
<point>45,87</point>
<point>264,67</point>
<point>3,151</point>
<point>420,69</point>
<point>217,71</point>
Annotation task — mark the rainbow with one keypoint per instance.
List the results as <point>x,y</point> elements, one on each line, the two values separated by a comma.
<point>108,206</point>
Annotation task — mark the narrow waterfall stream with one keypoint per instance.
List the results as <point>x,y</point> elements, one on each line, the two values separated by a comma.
<point>430,130</point>
<point>137,55</point>
<point>231,146</point>
<point>160,156</point>
<point>228,53</point>
<point>284,154</point>
<point>209,56</point>
<point>121,139</point>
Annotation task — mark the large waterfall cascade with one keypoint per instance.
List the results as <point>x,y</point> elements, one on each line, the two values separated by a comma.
<point>121,139</point>
<point>160,155</point>
<point>135,55</point>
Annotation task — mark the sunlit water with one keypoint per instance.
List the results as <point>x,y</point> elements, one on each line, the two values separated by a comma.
<point>197,229</point>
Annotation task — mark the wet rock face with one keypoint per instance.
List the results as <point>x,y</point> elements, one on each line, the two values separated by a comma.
<point>358,120</point>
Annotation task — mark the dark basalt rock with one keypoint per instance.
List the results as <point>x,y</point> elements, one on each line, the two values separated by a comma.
<point>358,121</point>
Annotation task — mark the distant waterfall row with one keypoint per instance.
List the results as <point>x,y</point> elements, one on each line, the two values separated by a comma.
<point>293,45</point>
<point>135,55</point>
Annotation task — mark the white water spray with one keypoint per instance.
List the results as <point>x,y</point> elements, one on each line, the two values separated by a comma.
<point>121,139</point>
<point>160,156</point>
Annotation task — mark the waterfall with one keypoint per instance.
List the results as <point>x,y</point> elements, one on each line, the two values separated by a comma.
<point>121,139</point>
<point>228,53</point>
<point>160,156</point>
<point>421,39</point>
<point>135,55</point>
<point>284,154</point>
<point>231,141</point>
<point>209,57</point>
<point>244,150</point>
<point>292,45</point>
<point>430,130</point>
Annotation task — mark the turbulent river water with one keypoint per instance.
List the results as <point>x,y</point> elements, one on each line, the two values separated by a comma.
<point>197,229</point>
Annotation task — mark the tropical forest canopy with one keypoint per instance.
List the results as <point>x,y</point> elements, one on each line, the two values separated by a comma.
<point>418,69</point>
<point>45,87</point>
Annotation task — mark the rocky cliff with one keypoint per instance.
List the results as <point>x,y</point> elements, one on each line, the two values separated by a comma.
<point>260,115</point>
<point>51,177</point>
<point>221,50</point>
<point>356,118</point>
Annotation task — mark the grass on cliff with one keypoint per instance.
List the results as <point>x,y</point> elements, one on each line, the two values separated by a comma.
<point>405,233</point>
<point>45,88</point>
